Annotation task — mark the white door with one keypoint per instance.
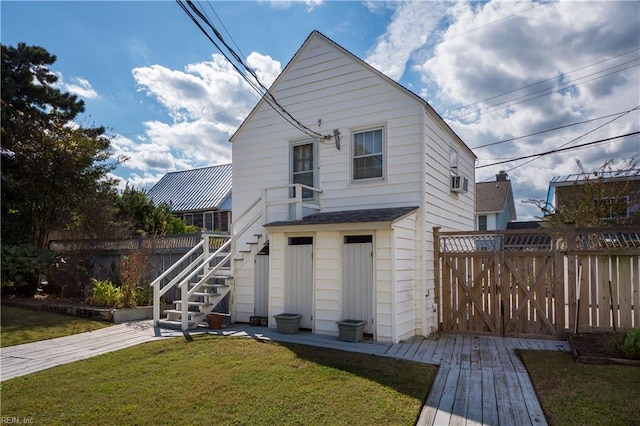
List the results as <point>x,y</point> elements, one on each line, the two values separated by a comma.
<point>261,284</point>
<point>357,279</point>
<point>298,297</point>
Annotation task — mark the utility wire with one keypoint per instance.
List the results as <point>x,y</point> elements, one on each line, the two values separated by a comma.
<point>565,86</point>
<point>256,85</point>
<point>545,80</point>
<point>581,136</point>
<point>549,130</point>
<point>553,151</point>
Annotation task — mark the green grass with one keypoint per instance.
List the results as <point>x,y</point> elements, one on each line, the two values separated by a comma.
<point>20,325</point>
<point>584,394</point>
<point>223,380</point>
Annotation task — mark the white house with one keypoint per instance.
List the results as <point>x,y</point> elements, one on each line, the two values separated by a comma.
<point>355,241</point>
<point>495,207</point>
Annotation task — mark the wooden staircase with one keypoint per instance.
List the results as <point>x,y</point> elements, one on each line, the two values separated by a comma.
<point>204,277</point>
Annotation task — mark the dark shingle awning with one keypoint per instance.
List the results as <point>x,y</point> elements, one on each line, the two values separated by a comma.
<point>350,216</point>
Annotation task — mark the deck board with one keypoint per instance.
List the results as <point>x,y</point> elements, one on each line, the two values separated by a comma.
<point>480,379</point>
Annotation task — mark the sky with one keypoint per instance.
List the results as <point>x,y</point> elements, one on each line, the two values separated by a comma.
<point>503,74</point>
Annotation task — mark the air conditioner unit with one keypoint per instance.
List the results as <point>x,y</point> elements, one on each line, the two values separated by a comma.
<point>459,183</point>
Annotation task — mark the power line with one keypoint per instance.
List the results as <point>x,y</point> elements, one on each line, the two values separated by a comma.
<point>548,79</point>
<point>256,84</point>
<point>565,86</point>
<point>550,130</point>
<point>560,150</point>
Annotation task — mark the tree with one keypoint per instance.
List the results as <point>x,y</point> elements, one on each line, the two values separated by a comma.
<point>53,170</point>
<point>137,211</point>
<point>604,197</point>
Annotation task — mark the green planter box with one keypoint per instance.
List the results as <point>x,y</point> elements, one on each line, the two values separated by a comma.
<point>288,323</point>
<point>350,330</point>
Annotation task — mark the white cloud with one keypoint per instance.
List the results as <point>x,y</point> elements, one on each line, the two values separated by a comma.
<point>412,25</point>
<point>285,4</point>
<point>78,86</point>
<point>206,102</point>
<point>507,47</point>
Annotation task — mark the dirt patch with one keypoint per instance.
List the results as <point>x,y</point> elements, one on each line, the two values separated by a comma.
<point>599,348</point>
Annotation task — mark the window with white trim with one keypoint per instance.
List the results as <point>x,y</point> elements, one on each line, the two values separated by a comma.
<point>453,160</point>
<point>612,207</point>
<point>368,154</point>
<point>303,167</point>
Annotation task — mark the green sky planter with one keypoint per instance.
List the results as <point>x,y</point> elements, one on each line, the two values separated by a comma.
<point>288,323</point>
<point>350,330</point>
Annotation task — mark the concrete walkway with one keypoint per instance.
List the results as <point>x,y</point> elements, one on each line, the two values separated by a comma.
<point>480,380</point>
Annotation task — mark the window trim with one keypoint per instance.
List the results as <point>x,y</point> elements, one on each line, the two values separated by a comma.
<point>611,212</point>
<point>485,222</point>
<point>314,168</point>
<point>454,161</point>
<point>352,156</point>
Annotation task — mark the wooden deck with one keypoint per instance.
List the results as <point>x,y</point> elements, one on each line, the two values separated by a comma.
<point>480,380</point>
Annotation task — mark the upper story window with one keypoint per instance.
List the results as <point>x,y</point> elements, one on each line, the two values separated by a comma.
<point>368,154</point>
<point>453,160</point>
<point>612,207</point>
<point>303,167</point>
<point>482,223</point>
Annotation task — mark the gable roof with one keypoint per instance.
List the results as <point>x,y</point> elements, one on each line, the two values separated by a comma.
<point>316,34</point>
<point>493,197</point>
<point>205,188</point>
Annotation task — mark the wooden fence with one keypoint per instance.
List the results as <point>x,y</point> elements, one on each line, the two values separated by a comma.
<point>538,283</point>
<point>105,256</point>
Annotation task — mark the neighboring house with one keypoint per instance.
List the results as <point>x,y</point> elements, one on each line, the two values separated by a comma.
<point>356,241</point>
<point>202,197</point>
<point>495,207</point>
<point>616,195</point>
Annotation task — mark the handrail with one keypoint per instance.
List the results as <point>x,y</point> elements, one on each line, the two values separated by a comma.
<point>209,259</point>
<point>204,279</point>
<point>255,203</point>
<point>175,265</point>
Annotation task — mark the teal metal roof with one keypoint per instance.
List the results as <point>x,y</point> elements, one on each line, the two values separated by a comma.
<point>207,188</point>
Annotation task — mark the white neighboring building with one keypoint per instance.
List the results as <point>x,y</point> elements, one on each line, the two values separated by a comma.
<point>357,243</point>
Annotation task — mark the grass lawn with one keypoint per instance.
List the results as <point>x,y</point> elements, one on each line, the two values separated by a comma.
<point>579,394</point>
<point>20,325</point>
<point>222,380</point>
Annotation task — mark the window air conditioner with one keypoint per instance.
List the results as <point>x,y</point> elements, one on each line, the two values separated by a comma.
<point>459,183</point>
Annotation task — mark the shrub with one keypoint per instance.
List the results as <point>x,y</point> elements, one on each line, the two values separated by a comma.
<point>105,293</point>
<point>630,344</point>
<point>23,268</point>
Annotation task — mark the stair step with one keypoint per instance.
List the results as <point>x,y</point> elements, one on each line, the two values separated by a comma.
<point>176,302</point>
<point>178,311</point>
<point>207,294</point>
<point>175,325</point>
<point>212,286</point>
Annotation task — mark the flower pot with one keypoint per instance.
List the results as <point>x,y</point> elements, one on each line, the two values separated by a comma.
<point>351,330</point>
<point>215,321</point>
<point>287,323</point>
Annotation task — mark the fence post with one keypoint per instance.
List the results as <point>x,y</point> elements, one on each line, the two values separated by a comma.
<point>437,269</point>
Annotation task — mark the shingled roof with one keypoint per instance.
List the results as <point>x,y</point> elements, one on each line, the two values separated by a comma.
<point>491,197</point>
<point>350,216</point>
<point>206,188</point>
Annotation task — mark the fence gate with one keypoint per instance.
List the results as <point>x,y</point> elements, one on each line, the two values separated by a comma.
<point>538,283</point>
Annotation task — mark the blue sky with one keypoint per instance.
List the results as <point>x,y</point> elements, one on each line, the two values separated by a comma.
<point>171,102</point>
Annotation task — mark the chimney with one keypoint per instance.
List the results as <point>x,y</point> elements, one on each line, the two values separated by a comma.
<point>502,176</point>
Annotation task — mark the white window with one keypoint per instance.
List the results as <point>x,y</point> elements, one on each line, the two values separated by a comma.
<point>453,161</point>
<point>612,207</point>
<point>368,154</point>
<point>303,167</point>
<point>482,223</point>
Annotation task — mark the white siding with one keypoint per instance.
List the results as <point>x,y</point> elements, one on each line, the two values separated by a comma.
<point>326,89</point>
<point>407,287</point>
<point>327,282</point>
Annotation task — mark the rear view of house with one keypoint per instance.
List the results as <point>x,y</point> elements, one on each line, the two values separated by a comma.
<point>338,223</point>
